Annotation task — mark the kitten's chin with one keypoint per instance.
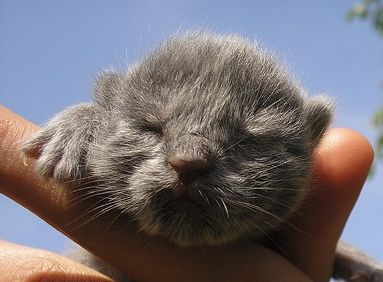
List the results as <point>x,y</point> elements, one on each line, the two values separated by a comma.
<point>187,223</point>
<point>191,240</point>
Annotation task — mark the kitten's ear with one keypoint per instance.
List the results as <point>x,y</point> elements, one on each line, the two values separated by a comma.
<point>319,111</point>
<point>106,86</point>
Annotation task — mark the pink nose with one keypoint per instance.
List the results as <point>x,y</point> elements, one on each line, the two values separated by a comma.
<point>189,170</point>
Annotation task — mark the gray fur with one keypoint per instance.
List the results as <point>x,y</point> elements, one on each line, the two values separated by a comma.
<point>198,96</point>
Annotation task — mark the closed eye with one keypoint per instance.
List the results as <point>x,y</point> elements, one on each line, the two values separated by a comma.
<point>150,127</point>
<point>262,142</point>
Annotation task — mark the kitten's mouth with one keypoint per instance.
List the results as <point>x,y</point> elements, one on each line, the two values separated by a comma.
<point>188,216</point>
<point>179,194</point>
<point>184,192</point>
<point>180,200</point>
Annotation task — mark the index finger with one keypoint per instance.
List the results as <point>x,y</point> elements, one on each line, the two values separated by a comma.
<point>341,165</point>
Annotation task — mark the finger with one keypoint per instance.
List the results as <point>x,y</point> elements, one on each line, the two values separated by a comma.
<point>17,177</point>
<point>341,166</point>
<point>19,263</point>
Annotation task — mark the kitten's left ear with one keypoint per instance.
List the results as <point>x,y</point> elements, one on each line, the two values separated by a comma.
<point>318,112</point>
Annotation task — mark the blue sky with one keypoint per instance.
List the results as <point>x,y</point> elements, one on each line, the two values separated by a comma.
<point>51,51</point>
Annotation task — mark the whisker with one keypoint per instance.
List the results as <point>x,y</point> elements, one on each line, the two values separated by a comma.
<point>87,196</point>
<point>94,207</point>
<point>105,208</point>
<point>81,179</point>
<point>270,239</point>
<point>225,207</point>
<point>254,207</point>
<point>112,222</point>
<point>204,197</point>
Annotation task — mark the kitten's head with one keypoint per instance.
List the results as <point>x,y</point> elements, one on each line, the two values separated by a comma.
<point>207,140</point>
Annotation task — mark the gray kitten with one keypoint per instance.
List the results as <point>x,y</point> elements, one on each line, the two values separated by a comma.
<point>206,140</point>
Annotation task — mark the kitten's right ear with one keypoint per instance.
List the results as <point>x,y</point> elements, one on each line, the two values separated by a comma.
<point>319,112</point>
<point>106,86</point>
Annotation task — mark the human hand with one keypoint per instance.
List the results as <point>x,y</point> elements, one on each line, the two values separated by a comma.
<point>341,166</point>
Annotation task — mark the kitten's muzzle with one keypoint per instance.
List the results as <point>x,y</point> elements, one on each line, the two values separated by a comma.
<point>188,170</point>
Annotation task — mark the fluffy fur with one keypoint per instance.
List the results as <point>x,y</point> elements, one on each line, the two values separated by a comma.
<point>202,99</point>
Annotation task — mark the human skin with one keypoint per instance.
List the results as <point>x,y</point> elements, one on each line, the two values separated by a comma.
<point>341,164</point>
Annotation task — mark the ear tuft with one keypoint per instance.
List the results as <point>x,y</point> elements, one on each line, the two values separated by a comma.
<point>107,84</point>
<point>319,112</point>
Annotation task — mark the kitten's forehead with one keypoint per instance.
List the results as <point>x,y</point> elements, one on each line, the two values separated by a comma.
<point>205,61</point>
<point>190,113</point>
<point>212,67</point>
<point>205,80</point>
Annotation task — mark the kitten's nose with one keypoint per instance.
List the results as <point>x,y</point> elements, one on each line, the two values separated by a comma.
<point>189,170</point>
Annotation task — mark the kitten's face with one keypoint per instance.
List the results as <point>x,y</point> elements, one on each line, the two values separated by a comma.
<point>200,156</point>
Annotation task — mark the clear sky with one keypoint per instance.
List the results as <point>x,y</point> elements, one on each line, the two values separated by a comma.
<point>51,51</point>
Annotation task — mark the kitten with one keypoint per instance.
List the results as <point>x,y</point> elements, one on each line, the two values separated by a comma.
<point>206,140</point>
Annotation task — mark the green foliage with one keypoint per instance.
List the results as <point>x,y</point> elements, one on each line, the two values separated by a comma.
<point>369,9</point>
<point>372,10</point>
<point>378,122</point>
